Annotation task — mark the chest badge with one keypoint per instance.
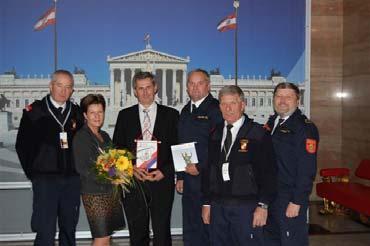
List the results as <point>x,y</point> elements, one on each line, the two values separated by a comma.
<point>243,145</point>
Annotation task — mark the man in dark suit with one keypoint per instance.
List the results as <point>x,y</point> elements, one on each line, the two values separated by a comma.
<point>153,192</point>
<point>240,180</point>
<point>197,119</point>
<point>44,148</point>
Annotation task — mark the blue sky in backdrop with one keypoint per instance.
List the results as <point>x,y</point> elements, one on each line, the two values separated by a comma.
<point>271,35</point>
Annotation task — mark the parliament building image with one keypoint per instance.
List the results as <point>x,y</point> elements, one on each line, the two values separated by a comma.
<point>16,92</point>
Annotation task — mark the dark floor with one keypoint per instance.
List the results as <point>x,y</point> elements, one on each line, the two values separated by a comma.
<point>328,230</point>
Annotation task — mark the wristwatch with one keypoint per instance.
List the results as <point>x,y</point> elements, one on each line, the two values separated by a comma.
<point>263,205</point>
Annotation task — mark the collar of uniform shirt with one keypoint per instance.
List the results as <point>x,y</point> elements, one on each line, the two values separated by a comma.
<point>277,121</point>
<point>57,105</point>
<point>197,103</point>
<point>234,131</point>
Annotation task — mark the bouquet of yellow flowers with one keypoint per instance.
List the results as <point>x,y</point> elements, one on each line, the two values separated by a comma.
<point>115,166</point>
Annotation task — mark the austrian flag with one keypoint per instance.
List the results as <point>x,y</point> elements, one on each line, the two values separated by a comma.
<point>47,19</point>
<point>227,24</point>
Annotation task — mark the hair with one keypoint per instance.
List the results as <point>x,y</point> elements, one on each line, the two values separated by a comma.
<point>287,85</point>
<point>92,99</point>
<point>199,70</point>
<point>231,90</point>
<point>64,72</point>
<point>142,75</point>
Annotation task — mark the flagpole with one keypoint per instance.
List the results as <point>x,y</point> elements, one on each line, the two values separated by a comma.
<point>236,6</point>
<point>55,39</point>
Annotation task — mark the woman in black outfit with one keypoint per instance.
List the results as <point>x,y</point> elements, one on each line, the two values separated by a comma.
<point>102,205</point>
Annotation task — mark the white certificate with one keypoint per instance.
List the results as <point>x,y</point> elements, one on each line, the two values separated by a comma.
<point>146,154</point>
<point>184,154</point>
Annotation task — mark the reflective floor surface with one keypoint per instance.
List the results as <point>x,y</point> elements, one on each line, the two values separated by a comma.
<point>325,230</point>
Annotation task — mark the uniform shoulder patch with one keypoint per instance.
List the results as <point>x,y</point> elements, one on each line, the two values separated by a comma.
<point>267,127</point>
<point>311,145</point>
<point>307,121</point>
<point>28,108</point>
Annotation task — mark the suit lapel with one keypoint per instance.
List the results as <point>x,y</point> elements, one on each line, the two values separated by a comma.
<point>136,121</point>
<point>157,122</point>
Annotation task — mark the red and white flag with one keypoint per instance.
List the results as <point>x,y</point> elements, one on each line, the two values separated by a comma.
<point>47,19</point>
<point>227,23</point>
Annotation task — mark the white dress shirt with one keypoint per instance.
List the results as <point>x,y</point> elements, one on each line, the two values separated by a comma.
<point>152,112</point>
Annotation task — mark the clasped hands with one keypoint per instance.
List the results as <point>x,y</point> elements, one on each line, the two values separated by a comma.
<point>143,174</point>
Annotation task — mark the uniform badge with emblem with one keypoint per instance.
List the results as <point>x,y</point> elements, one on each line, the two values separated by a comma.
<point>243,145</point>
<point>311,145</point>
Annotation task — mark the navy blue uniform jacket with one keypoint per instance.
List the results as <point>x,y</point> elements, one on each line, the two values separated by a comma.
<point>196,127</point>
<point>38,141</point>
<point>252,167</point>
<point>295,143</point>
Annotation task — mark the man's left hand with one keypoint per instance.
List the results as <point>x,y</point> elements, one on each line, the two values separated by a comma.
<point>292,210</point>
<point>156,175</point>
<point>259,217</point>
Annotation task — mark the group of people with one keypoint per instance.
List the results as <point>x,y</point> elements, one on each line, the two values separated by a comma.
<point>251,184</point>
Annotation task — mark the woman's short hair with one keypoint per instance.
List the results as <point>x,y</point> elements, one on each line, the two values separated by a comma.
<point>92,99</point>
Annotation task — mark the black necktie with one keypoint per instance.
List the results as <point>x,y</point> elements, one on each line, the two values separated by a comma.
<point>277,127</point>
<point>228,140</point>
<point>193,108</point>
<point>60,114</point>
<point>280,121</point>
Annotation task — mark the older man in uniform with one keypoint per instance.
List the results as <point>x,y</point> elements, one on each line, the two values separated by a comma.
<point>295,140</point>
<point>240,180</point>
<point>197,119</point>
<point>44,147</point>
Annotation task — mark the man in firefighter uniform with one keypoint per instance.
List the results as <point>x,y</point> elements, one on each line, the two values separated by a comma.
<point>295,140</point>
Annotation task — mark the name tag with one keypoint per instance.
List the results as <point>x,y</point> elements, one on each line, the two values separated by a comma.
<point>63,140</point>
<point>225,171</point>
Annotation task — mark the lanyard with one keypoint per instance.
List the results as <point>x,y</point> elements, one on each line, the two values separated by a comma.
<point>55,118</point>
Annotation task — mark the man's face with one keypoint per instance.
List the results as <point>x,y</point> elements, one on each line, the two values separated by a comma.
<point>232,108</point>
<point>145,91</point>
<point>285,102</point>
<point>197,86</point>
<point>95,116</point>
<point>61,88</point>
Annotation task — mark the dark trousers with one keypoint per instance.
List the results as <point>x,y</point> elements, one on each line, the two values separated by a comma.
<point>149,200</point>
<point>55,199</point>
<point>232,225</point>
<point>283,231</point>
<point>195,232</point>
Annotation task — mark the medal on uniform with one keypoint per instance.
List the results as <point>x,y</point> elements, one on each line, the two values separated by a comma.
<point>63,140</point>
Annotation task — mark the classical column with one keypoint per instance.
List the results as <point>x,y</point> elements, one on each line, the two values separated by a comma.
<point>123,88</point>
<point>164,87</point>
<point>184,82</point>
<point>111,87</point>
<point>173,92</point>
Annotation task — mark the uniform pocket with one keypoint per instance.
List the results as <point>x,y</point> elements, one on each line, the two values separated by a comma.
<point>243,181</point>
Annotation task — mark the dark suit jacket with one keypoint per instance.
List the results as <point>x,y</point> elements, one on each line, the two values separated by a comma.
<point>128,129</point>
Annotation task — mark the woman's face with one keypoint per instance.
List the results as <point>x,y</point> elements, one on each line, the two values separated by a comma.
<point>94,116</point>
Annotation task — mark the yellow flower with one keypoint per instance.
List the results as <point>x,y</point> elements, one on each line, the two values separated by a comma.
<point>112,152</point>
<point>122,163</point>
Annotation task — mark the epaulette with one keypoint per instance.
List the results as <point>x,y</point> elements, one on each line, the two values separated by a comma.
<point>308,121</point>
